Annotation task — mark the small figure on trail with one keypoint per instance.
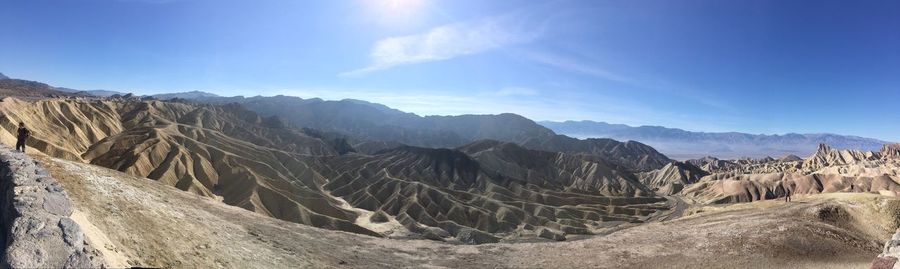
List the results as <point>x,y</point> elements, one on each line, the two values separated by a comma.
<point>23,135</point>
<point>787,195</point>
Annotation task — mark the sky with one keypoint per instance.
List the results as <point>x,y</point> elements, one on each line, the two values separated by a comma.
<point>761,67</point>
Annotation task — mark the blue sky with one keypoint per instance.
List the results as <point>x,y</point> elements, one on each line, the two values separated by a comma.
<point>749,66</point>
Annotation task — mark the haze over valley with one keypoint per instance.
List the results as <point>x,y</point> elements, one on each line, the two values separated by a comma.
<point>681,144</point>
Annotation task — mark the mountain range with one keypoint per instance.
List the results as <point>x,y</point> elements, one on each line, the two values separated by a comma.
<point>184,95</point>
<point>371,127</point>
<point>681,144</point>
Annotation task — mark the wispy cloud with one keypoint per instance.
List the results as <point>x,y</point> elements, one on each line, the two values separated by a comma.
<point>447,42</point>
<point>576,66</point>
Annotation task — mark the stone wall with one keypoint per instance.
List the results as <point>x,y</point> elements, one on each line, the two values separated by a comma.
<point>34,214</point>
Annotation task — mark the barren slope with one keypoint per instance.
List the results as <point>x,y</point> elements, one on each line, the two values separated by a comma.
<point>672,178</point>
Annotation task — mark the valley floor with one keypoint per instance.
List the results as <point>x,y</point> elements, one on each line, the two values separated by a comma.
<point>139,222</point>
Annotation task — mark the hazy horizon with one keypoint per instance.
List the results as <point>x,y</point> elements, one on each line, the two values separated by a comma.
<point>759,68</point>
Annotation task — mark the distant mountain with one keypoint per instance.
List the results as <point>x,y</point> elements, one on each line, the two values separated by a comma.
<point>681,144</point>
<point>30,89</point>
<point>376,127</point>
<point>2,76</point>
<point>184,95</point>
<point>103,93</point>
<point>64,89</point>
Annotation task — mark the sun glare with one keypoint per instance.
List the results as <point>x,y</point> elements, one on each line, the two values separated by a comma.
<point>395,12</point>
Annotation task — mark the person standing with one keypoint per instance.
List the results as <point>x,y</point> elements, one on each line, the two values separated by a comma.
<point>22,136</point>
<point>787,193</point>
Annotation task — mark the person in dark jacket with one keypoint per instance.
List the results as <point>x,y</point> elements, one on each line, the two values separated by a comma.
<point>22,136</point>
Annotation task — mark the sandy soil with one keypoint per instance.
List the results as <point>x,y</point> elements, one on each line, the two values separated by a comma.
<point>146,223</point>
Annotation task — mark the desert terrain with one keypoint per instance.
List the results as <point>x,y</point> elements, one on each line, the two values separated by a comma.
<point>140,222</point>
<point>195,184</point>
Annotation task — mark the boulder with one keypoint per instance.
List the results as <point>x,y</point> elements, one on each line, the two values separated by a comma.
<point>57,203</point>
<point>71,232</point>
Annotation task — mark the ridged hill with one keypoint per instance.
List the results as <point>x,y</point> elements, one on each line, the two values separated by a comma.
<point>672,178</point>
<point>580,172</point>
<point>890,151</point>
<point>826,156</point>
<point>491,187</point>
<point>631,154</point>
